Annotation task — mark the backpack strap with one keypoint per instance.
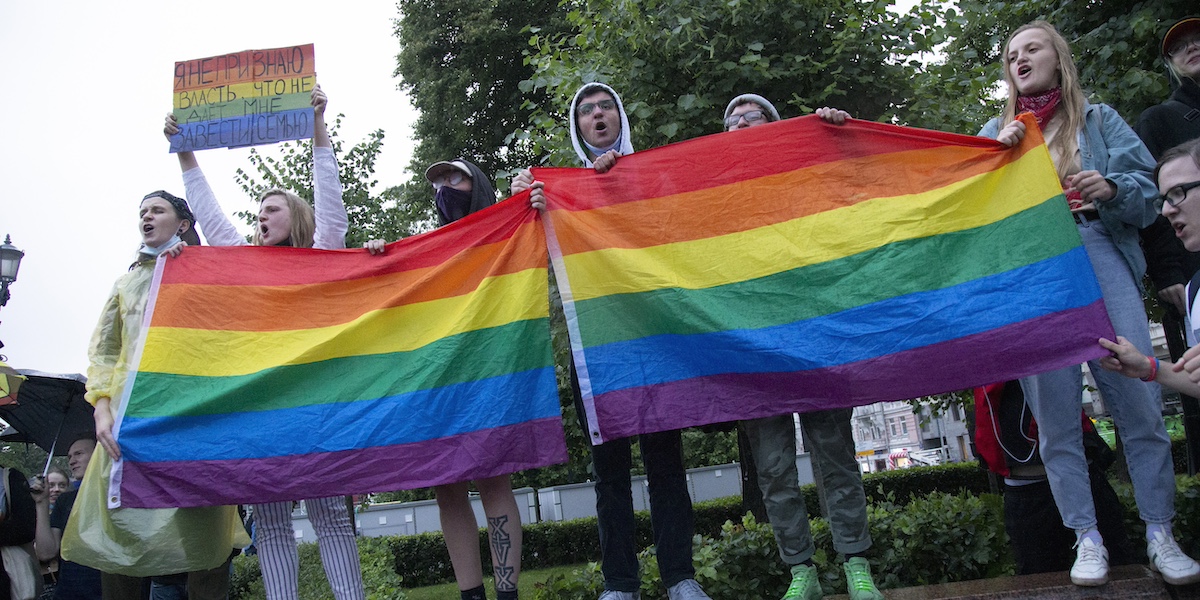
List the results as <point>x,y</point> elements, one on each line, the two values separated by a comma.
<point>1189,114</point>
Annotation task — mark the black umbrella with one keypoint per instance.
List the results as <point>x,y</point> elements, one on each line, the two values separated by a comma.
<point>50,411</point>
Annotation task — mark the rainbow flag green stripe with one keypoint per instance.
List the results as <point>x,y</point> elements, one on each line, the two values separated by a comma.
<point>801,266</point>
<point>441,350</point>
<point>832,286</point>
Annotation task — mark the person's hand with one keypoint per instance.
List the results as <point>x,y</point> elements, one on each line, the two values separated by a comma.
<point>1092,186</point>
<point>832,115</point>
<point>175,250</point>
<point>104,428</point>
<point>39,490</point>
<point>1125,359</point>
<point>1189,363</point>
<point>1012,134</point>
<point>319,101</point>
<point>170,126</point>
<point>522,181</point>
<point>537,195</point>
<point>1176,295</point>
<point>375,247</point>
<point>606,161</point>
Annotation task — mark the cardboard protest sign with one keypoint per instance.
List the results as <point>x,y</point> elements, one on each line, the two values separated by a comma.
<point>244,98</point>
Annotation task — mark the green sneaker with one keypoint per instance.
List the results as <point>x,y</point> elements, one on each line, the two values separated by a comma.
<point>805,585</point>
<point>859,584</point>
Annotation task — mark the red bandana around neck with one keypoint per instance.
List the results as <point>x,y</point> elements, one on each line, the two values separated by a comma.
<point>1041,105</point>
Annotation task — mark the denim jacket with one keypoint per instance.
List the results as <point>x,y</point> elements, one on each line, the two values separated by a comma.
<point>1108,145</point>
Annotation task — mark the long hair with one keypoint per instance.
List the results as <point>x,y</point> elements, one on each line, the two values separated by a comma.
<point>1070,107</point>
<point>304,222</point>
<point>1177,76</point>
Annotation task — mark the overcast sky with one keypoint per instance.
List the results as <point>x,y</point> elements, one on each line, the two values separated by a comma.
<point>85,88</point>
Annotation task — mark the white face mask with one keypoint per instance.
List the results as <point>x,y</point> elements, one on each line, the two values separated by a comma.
<point>154,251</point>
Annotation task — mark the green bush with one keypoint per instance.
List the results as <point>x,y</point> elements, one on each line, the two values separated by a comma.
<point>380,580</point>
<point>932,539</point>
<point>1179,455</point>
<point>903,484</point>
<point>938,539</point>
<point>422,559</point>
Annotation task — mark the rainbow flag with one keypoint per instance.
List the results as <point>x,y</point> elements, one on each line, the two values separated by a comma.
<point>800,266</point>
<point>244,98</point>
<point>270,374</point>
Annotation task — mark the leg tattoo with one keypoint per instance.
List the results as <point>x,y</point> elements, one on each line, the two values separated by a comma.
<point>501,544</point>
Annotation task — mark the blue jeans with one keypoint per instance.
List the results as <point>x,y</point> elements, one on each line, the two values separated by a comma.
<point>1055,398</point>
<point>830,438</point>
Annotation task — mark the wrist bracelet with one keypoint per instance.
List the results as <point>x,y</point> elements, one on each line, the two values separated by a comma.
<point>1153,369</point>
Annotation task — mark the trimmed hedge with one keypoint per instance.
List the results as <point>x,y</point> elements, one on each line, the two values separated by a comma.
<point>934,539</point>
<point>422,559</point>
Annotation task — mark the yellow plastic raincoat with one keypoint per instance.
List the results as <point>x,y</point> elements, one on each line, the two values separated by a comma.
<point>137,542</point>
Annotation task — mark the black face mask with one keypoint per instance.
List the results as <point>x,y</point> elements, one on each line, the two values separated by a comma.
<point>452,204</point>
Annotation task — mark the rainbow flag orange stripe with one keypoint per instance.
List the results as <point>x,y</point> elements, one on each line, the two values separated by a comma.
<point>277,373</point>
<point>801,266</point>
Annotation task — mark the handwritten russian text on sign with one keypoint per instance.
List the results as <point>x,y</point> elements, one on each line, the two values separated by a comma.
<point>244,98</point>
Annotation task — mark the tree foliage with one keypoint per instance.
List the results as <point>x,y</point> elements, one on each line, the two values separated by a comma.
<point>372,215</point>
<point>1115,46</point>
<point>461,63</point>
<point>676,64</point>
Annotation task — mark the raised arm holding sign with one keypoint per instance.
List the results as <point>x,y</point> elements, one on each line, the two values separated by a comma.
<point>243,99</point>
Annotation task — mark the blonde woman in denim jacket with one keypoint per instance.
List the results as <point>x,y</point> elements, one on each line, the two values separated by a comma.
<point>1106,176</point>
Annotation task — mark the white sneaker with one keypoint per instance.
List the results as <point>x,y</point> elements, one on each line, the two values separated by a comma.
<point>1166,558</point>
<point>1091,563</point>
<point>687,589</point>
<point>615,595</point>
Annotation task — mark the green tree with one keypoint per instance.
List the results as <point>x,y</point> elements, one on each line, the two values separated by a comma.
<point>461,63</point>
<point>28,458</point>
<point>372,215</point>
<point>676,64</point>
<point>1115,45</point>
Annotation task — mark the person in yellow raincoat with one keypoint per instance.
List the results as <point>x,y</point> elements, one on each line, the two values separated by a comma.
<point>127,544</point>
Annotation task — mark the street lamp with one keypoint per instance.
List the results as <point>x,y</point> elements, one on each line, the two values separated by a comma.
<point>10,261</point>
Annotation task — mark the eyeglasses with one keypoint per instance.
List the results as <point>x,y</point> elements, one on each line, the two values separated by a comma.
<point>586,109</point>
<point>453,177</point>
<point>752,116</point>
<point>1176,195</point>
<point>1182,44</point>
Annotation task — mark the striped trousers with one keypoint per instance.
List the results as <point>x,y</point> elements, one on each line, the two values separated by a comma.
<point>279,561</point>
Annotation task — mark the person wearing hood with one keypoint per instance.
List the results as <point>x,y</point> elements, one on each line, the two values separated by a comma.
<point>827,434</point>
<point>600,135</point>
<point>461,188</point>
<point>124,543</point>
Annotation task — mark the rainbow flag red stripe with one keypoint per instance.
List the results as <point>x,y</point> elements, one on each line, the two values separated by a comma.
<point>800,266</point>
<point>279,374</point>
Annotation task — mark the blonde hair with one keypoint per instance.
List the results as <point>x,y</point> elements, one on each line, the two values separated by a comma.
<point>1174,72</point>
<point>1070,106</point>
<point>304,222</point>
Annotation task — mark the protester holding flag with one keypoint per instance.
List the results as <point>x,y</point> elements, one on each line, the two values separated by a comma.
<point>461,188</point>
<point>127,544</point>
<point>285,219</point>
<point>1178,177</point>
<point>1105,174</point>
